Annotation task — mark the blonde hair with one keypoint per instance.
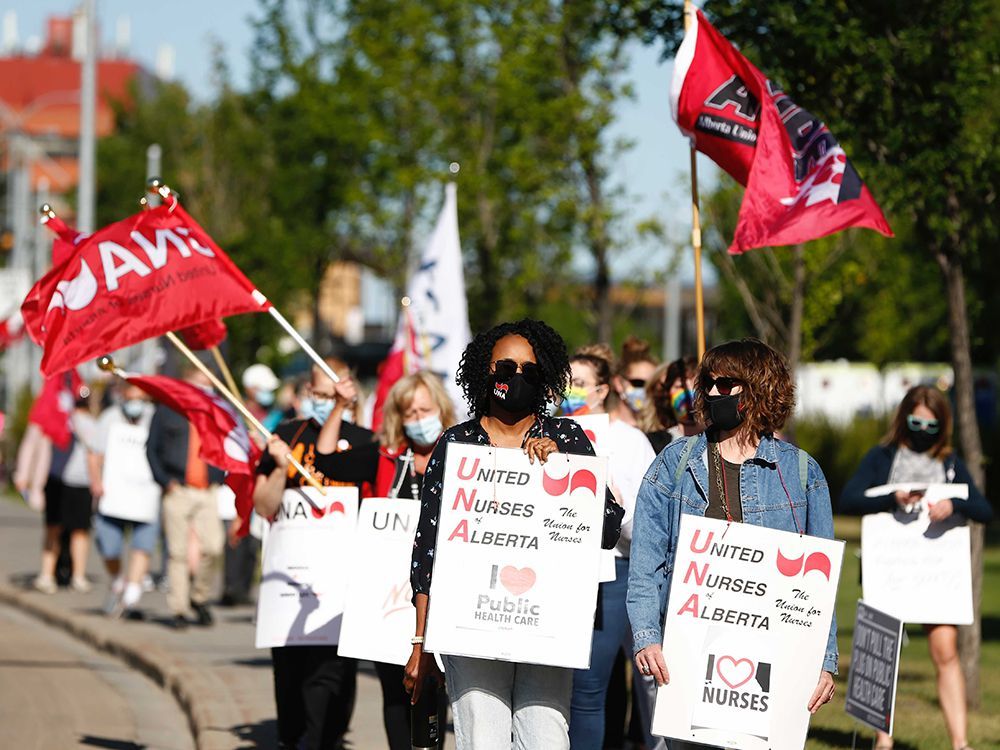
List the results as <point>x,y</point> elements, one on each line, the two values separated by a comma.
<point>391,434</point>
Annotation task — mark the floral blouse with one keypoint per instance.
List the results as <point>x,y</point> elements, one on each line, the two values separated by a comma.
<point>566,434</point>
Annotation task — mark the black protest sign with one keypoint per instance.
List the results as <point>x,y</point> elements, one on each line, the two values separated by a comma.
<point>871,685</point>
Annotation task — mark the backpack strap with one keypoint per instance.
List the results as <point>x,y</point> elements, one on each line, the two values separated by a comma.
<point>685,454</point>
<point>803,469</point>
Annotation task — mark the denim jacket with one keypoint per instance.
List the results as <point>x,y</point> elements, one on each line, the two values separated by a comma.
<point>660,503</point>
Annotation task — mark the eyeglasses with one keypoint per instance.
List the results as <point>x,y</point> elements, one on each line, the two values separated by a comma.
<point>930,426</point>
<point>637,382</point>
<point>724,384</point>
<point>506,368</point>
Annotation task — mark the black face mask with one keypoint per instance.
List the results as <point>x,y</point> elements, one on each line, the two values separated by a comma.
<point>515,395</point>
<point>921,441</point>
<point>724,412</point>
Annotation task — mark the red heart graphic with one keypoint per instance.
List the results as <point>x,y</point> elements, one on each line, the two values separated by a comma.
<point>517,581</point>
<point>734,671</point>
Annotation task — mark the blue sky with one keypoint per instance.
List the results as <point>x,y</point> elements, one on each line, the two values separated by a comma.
<point>654,172</point>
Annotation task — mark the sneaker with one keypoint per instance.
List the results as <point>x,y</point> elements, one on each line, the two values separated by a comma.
<point>45,584</point>
<point>135,615</point>
<point>202,615</point>
<point>80,585</point>
<point>148,584</point>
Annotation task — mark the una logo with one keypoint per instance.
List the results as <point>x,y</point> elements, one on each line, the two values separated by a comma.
<point>790,567</point>
<point>737,682</point>
<point>500,390</point>
<point>572,481</point>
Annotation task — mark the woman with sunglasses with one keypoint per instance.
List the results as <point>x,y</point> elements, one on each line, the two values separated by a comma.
<point>509,375</point>
<point>917,449</point>
<point>736,471</point>
<point>635,368</point>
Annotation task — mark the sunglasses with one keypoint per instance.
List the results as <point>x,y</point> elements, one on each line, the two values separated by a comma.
<point>505,369</point>
<point>930,426</point>
<point>637,382</point>
<point>724,384</point>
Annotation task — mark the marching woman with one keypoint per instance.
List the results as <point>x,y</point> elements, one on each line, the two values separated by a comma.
<point>917,449</point>
<point>635,368</point>
<point>508,374</point>
<point>629,455</point>
<point>417,410</point>
<point>735,471</point>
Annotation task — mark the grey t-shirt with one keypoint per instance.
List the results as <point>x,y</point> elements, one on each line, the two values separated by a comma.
<point>84,427</point>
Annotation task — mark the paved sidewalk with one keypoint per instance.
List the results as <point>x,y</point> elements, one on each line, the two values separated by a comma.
<point>222,683</point>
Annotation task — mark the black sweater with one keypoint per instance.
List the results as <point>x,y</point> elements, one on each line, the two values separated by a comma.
<point>874,471</point>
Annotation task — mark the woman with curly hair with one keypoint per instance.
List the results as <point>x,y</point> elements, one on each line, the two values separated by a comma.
<point>508,375</point>
<point>736,471</point>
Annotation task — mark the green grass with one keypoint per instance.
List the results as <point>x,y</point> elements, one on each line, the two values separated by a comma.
<point>919,723</point>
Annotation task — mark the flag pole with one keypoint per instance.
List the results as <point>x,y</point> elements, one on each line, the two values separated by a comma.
<point>182,347</point>
<point>699,293</point>
<point>226,372</point>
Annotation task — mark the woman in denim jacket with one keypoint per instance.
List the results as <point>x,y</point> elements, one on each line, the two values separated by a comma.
<point>738,471</point>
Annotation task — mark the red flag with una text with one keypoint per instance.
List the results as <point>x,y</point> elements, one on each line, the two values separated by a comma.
<point>800,185</point>
<point>153,272</point>
<point>54,405</point>
<point>225,442</point>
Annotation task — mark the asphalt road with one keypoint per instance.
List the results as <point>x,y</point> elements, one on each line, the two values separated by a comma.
<point>57,693</point>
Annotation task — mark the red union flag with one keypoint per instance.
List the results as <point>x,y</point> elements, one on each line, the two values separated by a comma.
<point>153,272</point>
<point>799,183</point>
<point>224,439</point>
<point>66,239</point>
<point>204,335</point>
<point>52,408</point>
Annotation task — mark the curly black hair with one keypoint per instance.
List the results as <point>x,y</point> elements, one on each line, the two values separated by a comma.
<point>550,351</point>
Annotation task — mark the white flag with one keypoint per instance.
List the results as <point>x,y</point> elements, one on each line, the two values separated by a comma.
<point>436,290</point>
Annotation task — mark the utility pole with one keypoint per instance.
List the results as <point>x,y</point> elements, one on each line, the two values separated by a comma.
<point>85,220</point>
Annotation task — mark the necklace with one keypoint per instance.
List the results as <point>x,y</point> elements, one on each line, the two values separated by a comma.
<point>720,479</point>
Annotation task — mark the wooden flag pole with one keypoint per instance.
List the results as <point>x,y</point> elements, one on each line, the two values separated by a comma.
<point>699,292</point>
<point>182,347</point>
<point>226,372</point>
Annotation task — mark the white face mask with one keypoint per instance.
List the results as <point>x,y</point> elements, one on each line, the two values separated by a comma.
<point>424,431</point>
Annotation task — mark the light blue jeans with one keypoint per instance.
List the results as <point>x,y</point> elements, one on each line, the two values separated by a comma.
<point>501,705</point>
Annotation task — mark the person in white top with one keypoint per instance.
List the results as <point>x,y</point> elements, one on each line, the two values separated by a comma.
<point>128,497</point>
<point>629,455</point>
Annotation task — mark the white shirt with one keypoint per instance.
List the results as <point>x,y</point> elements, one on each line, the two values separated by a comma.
<point>629,458</point>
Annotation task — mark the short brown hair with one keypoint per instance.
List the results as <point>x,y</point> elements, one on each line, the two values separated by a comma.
<point>933,399</point>
<point>768,395</point>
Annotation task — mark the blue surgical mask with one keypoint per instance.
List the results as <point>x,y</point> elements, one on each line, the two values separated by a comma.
<point>424,431</point>
<point>635,398</point>
<point>318,409</point>
<point>133,407</point>
<point>265,398</point>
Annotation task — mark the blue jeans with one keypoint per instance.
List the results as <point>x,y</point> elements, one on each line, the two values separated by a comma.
<point>502,705</point>
<point>590,686</point>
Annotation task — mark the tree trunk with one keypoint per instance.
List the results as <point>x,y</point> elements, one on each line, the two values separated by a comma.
<point>795,324</point>
<point>970,637</point>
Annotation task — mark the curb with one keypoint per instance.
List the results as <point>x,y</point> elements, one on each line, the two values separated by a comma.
<point>200,695</point>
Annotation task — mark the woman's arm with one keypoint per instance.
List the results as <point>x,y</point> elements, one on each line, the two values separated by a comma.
<point>651,540</point>
<point>872,472</point>
<point>425,541</point>
<point>269,488</point>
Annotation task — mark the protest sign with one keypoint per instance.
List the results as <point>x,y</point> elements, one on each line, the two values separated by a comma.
<point>130,492</point>
<point>379,618</point>
<point>746,630</point>
<point>305,570</point>
<point>517,557</point>
<point>871,684</point>
<point>597,429</point>
<point>917,570</point>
